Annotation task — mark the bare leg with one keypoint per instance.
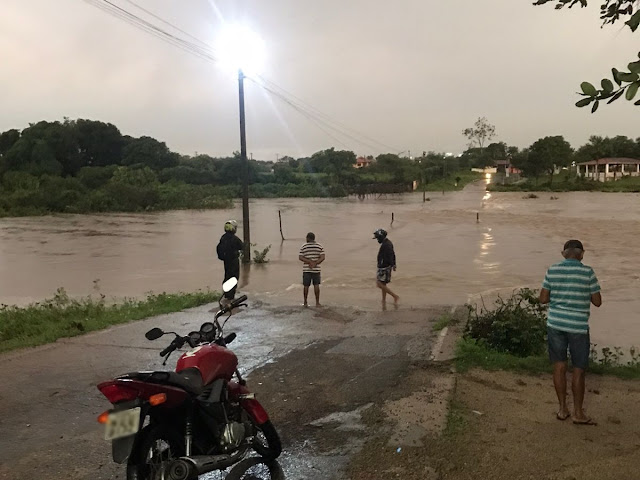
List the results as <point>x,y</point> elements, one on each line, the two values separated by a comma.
<point>381,286</point>
<point>316,290</point>
<point>560,383</point>
<point>577,386</point>
<point>306,295</point>
<point>385,289</point>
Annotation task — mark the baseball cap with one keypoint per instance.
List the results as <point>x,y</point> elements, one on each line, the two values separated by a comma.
<point>573,244</point>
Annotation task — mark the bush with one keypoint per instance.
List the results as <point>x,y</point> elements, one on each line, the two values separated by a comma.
<point>516,325</point>
<point>261,256</point>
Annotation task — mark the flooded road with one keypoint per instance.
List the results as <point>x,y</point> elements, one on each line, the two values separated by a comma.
<point>444,255</point>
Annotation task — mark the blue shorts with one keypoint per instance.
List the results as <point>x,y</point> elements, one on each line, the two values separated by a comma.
<point>578,344</point>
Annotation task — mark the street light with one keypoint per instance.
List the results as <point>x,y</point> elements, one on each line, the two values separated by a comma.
<point>242,50</point>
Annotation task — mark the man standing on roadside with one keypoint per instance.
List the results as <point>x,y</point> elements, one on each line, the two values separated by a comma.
<point>570,288</point>
<point>386,263</point>
<point>228,250</point>
<point>311,255</point>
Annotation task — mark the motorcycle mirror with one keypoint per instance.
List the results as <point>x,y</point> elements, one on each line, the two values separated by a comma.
<point>229,284</point>
<point>154,334</point>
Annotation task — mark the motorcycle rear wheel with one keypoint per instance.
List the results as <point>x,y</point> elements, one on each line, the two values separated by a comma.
<point>158,444</point>
<point>267,443</point>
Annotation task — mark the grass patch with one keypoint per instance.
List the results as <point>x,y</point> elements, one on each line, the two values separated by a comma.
<point>448,184</point>
<point>472,354</point>
<point>569,183</point>
<point>60,316</point>
<point>456,420</point>
<point>445,320</point>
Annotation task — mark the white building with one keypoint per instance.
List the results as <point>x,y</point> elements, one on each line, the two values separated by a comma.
<point>609,168</point>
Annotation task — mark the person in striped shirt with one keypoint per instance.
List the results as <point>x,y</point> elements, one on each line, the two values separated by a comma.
<point>311,255</point>
<point>570,287</point>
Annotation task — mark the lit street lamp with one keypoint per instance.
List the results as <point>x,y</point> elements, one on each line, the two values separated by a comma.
<point>242,50</point>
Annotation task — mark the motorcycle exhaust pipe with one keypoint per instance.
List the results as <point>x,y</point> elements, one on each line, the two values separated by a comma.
<point>189,468</point>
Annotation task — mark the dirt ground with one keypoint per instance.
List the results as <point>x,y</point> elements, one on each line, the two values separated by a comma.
<point>502,426</point>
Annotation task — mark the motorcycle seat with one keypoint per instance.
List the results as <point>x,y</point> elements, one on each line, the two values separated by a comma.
<point>188,379</point>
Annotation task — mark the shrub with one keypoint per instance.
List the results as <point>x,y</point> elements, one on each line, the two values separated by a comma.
<point>261,256</point>
<point>516,325</point>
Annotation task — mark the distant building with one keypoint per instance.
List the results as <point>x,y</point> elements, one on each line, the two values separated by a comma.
<point>504,166</point>
<point>609,168</point>
<point>362,162</point>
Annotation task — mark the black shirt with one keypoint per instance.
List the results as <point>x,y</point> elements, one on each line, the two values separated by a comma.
<point>386,254</point>
<point>231,245</point>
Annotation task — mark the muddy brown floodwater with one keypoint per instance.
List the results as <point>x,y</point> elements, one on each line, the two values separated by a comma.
<point>444,255</point>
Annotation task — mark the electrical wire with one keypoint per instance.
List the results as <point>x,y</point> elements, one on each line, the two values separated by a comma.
<point>200,49</point>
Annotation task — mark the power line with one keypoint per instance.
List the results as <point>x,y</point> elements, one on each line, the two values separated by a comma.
<point>203,51</point>
<point>324,115</point>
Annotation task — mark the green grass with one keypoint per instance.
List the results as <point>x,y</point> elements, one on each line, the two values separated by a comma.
<point>449,184</point>
<point>470,354</point>
<point>444,321</point>
<point>567,183</point>
<point>61,317</point>
<point>456,420</point>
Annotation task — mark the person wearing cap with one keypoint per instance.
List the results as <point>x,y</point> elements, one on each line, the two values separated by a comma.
<point>311,255</point>
<point>570,287</point>
<point>386,263</point>
<point>228,251</point>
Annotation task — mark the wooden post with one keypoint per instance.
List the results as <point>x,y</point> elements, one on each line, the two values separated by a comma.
<point>424,196</point>
<point>477,217</point>
<point>280,218</point>
<point>392,218</point>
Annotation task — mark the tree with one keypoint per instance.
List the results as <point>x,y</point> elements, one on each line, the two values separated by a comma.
<point>333,162</point>
<point>481,132</point>
<point>149,152</point>
<point>628,83</point>
<point>544,156</point>
<point>100,143</point>
<point>604,147</point>
<point>7,140</point>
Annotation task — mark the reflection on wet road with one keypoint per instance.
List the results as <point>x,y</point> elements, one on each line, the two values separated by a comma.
<point>444,254</point>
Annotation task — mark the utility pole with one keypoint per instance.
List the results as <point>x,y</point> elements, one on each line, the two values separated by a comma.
<point>246,257</point>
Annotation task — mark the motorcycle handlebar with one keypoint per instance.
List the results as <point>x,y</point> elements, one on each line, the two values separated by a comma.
<point>236,303</point>
<point>167,350</point>
<point>176,343</point>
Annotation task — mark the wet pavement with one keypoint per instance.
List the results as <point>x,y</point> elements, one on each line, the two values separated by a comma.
<point>318,372</point>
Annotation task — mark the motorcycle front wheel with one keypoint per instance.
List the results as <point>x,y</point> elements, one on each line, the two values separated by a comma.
<point>267,441</point>
<point>158,444</point>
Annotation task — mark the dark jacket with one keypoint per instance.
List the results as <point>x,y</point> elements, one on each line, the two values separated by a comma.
<point>386,254</point>
<point>229,247</point>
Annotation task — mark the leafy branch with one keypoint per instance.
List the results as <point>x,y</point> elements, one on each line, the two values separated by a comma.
<point>628,83</point>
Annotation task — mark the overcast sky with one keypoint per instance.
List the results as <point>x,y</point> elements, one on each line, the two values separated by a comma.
<point>410,74</point>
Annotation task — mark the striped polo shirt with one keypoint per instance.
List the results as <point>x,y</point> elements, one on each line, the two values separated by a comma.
<point>312,251</point>
<point>571,285</point>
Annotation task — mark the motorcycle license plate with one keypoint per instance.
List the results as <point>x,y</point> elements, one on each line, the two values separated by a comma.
<point>122,424</point>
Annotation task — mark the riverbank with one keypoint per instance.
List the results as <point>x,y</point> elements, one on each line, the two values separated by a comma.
<point>564,183</point>
<point>453,182</point>
<point>63,317</point>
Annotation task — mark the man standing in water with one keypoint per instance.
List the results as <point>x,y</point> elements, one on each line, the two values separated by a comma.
<point>386,263</point>
<point>311,255</point>
<point>228,251</point>
<point>570,288</point>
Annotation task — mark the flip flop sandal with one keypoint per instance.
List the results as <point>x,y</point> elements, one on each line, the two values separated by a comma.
<point>561,417</point>
<point>589,421</point>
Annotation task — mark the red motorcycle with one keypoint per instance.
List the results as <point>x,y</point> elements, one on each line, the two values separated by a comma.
<point>179,425</point>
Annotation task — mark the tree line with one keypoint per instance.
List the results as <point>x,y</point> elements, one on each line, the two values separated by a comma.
<point>81,166</point>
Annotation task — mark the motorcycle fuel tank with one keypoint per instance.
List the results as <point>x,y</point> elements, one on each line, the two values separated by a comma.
<point>213,361</point>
